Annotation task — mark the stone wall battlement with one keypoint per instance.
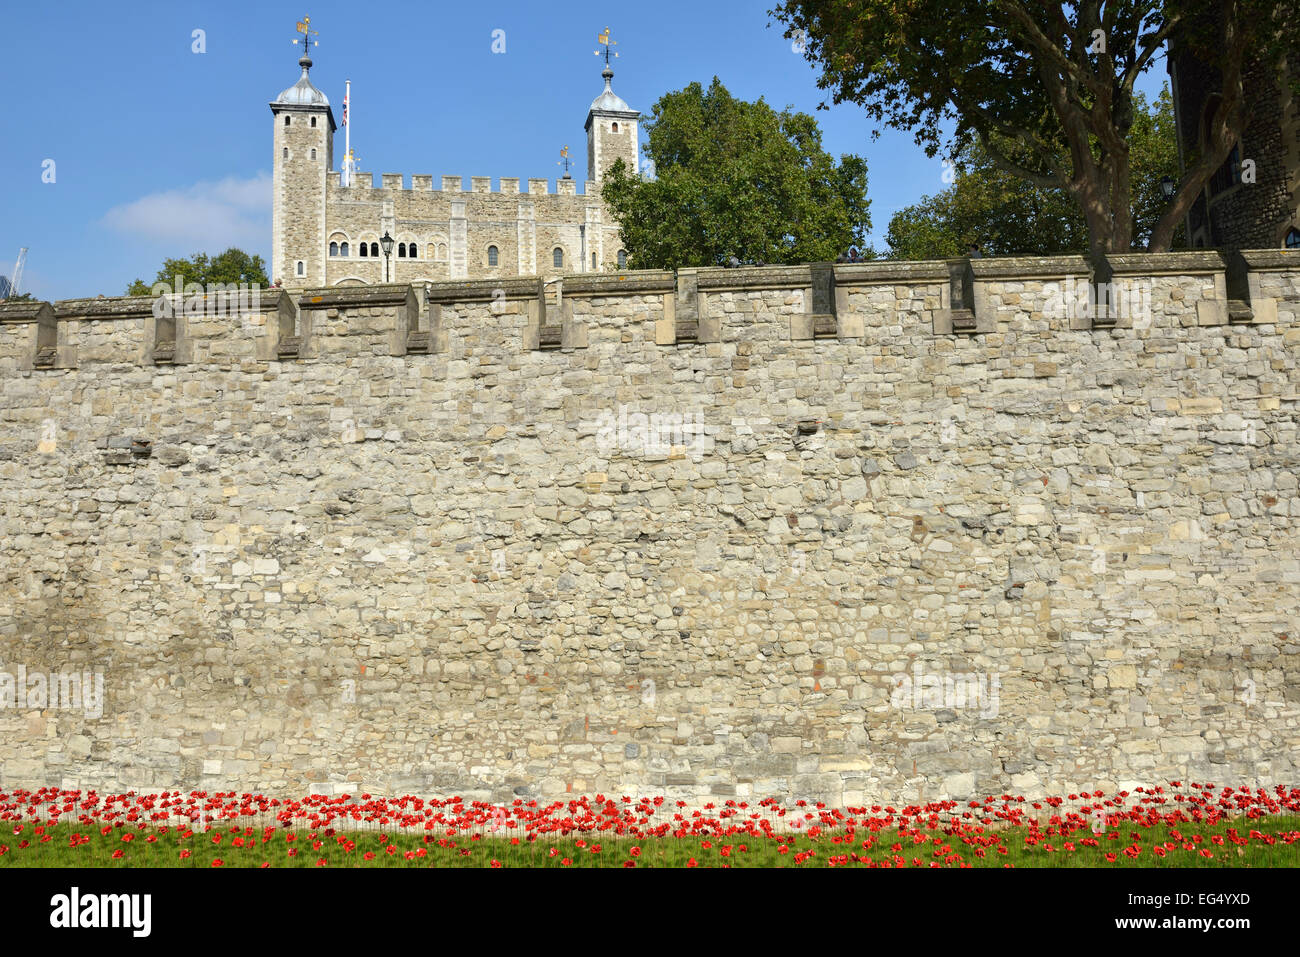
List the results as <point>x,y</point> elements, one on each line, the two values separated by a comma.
<point>861,305</point>
<point>364,183</point>
<point>856,533</point>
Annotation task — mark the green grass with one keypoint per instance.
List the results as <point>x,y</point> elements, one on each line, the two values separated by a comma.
<point>552,850</point>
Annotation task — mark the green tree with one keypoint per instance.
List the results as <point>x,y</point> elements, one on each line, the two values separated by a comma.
<point>1005,214</point>
<point>736,179</point>
<point>232,266</point>
<point>1054,79</point>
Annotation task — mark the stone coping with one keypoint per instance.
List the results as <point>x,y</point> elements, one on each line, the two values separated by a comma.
<point>889,271</point>
<point>1029,267</point>
<point>722,278</point>
<point>708,279</point>
<point>480,290</point>
<point>1267,260</point>
<point>359,297</point>
<point>115,307</point>
<point>133,307</point>
<point>626,281</point>
<point>1187,263</point>
<point>26,310</point>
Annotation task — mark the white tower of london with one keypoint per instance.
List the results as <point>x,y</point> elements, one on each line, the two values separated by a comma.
<point>328,234</point>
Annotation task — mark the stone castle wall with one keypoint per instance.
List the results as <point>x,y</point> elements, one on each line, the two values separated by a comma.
<point>858,533</point>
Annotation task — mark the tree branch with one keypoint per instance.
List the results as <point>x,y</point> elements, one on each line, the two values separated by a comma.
<point>1152,44</point>
<point>1054,180</point>
<point>992,124</point>
<point>1044,44</point>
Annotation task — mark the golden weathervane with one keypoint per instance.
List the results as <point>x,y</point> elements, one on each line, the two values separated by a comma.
<point>304,27</point>
<point>604,40</point>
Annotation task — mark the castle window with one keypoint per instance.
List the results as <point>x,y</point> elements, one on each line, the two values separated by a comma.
<point>313,154</point>
<point>286,120</point>
<point>1293,239</point>
<point>413,251</point>
<point>343,249</point>
<point>492,255</point>
<point>442,251</point>
<point>1227,175</point>
<point>313,122</point>
<point>613,127</point>
<point>622,259</point>
<point>362,247</point>
<point>301,268</point>
<point>557,257</point>
<point>593,261</point>
<point>285,154</point>
<point>401,250</point>
<point>334,249</point>
<point>374,250</point>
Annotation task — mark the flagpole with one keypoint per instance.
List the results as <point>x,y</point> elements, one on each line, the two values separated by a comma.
<point>347,137</point>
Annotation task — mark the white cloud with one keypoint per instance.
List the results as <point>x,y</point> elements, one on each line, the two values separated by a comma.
<point>210,216</point>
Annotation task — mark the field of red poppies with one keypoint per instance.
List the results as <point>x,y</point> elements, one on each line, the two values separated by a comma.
<point>1180,825</point>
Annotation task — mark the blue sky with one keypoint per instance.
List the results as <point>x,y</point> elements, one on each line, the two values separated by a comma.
<point>159,151</point>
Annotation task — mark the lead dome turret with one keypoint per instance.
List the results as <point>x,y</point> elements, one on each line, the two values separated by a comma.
<point>304,92</point>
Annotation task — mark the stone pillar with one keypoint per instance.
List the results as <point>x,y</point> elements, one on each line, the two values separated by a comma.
<point>526,231</point>
<point>458,237</point>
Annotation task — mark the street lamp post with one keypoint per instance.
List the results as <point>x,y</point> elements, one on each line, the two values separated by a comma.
<point>1167,187</point>
<point>386,241</point>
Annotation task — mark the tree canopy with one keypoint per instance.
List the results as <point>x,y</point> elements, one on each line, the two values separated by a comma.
<point>1045,87</point>
<point>735,179</point>
<point>1007,215</point>
<point>232,266</point>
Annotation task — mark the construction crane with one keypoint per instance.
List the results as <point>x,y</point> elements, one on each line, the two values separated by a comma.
<point>18,272</point>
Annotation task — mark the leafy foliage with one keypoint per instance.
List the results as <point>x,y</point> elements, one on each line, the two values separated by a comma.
<point>736,179</point>
<point>232,266</point>
<point>1006,215</point>
<point>1045,87</point>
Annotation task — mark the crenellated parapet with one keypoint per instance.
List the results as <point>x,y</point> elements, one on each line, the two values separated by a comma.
<point>425,183</point>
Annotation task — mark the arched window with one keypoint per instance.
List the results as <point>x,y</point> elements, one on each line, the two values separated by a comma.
<point>364,252</point>
<point>313,154</point>
<point>343,249</point>
<point>401,250</point>
<point>374,250</point>
<point>492,255</point>
<point>334,249</point>
<point>442,251</point>
<point>413,251</point>
<point>557,257</point>
<point>285,154</point>
<point>1293,239</point>
<point>622,259</point>
<point>613,127</point>
<point>286,119</point>
<point>301,268</point>
<point>313,123</point>
<point>593,262</point>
